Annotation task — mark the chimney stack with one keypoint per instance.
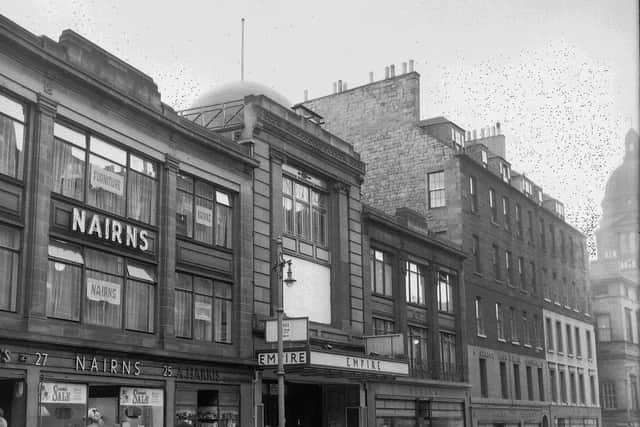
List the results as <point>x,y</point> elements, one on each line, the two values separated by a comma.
<point>411,65</point>
<point>404,68</point>
<point>339,86</point>
<point>306,95</point>
<point>498,128</point>
<point>386,72</point>
<point>392,70</point>
<point>370,76</point>
<point>335,88</point>
<point>344,86</point>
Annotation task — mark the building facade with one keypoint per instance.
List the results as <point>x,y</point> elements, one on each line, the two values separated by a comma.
<point>524,256</point>
<point>126,276</point>
<point>615,289</point>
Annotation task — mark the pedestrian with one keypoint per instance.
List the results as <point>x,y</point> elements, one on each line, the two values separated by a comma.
<point>3,422</point>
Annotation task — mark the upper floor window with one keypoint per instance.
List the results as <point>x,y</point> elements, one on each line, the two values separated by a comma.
<point>533,277</point>
<point>543,240</point>
<point>628,325</point>
<point>572,252</point>
<point>559,345</point>
<point>418,348</point>
<point>473,192</point>
<point>204,213</point>
<point>484,158</point>
<point>506,213</point>
<point>569,339</point>
<point>587,340</point>
<point>549,331</point>
<point>100,288</point>
<point>499,321</point>
<point>479,317</point>
<point>563,254</point>
<point>513,326</point>
<point>508,267</point>
<point>492,205</point>
<point>552,235</point>
<point>608,395</point>
<point>578,341</point>
<point>505,173</point>
<point>415,283</point>
<point>475,250</point>
<point>305,211</point>
<point>448,355</point>
<point>521,273</point>
<point>518,214</point>
<point>382,326</point>
<point>381,273</point>
<point>435,183</point>
<point>12,137</point>
<point>525,329</point>
<point>530,226</point>
<point>202,308</point>
<point>9,264</point>
<point>496,262</point>
<point>115,180</point>
<point>445,292</point>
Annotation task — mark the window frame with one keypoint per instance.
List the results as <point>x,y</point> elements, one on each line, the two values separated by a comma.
<point>15,252</point>
<point>20,155</point>
<point>314,187</point>
<point>480,330</point>
<point>499,322</point>
<point>447,286</point>
<point>387,289</point>
<point>506,212</point>
<point>493,205</point>
<point>434,190</point>
<point>420,273</point>
<point>473,192</point>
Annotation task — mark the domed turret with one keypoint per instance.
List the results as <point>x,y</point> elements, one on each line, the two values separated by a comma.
<point>235,91</point>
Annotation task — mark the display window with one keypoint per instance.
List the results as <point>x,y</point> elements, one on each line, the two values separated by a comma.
<point>13,402</point>
<point>217,407</point>
<point>80,405</point>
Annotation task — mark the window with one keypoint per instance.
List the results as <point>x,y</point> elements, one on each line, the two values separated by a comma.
<point>414,283</point>
<point>12,131</point>
<point>559,345</point>
<point>445,292</point>
<point>504,385</point>
<point>540,384</point>
<point>530,226</point>
<point>521,273</point>
<point>506,213</point>
<point>525,329</point>
<point>608,395</point>
<point>499,321</point>
<point>115,181</point>
<point>518,221</point>
<point>543,242</point>
<point>583,395</point>
<point>508,267</point>
<point>492,205</point>
<point>305,211</point>
<point>529,383</point>
<point>572,253</point>
<point>382,326</point>
<point>473,192</point>
<point>628,325</point>
<point>106,288</point>
<point>381,273</point>
<point>552,235</point>
<point>479,317</point>
<point>563,387</point>
<point>569,339</point>
<point>588,343</point>
<point>535,338</point>
<point>504,172</point>
<point>475,250</point>
<point>419,356</point>
<point>633,386</point>
<point>578,342</point>
<point>534,284</point>
<point>592,389</point>
<point>202,308</point>
<point>484,386</point>
<point>9,265</point>
<point>496,262</point>
<point>546,292</point>
<point>513,326</point>
<point>484,157</point>
<point>516,381</point>
<point>435,183</point>
<point>554,385</point>
<point>549,330</point>
<point>563,253</point>
<point>603,323</point>
<point>572,387</point>
<point>448,354</point>
<point>203,213</point>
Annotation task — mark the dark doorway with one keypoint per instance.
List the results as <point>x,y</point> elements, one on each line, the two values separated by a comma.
<point>303,405</point>
<point>13,401</point>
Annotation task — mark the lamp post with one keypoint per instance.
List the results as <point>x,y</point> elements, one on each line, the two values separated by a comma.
<point>289,280</point>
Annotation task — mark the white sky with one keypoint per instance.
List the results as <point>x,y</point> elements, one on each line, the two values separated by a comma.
<point>560,75</point>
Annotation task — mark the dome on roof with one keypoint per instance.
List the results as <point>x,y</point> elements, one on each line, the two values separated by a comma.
<point>622,185</point>
<point>234,91</point>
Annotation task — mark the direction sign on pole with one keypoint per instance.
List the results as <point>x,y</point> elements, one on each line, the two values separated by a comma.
<point>293,329</point>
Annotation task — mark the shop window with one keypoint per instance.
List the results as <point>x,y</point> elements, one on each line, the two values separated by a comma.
<point>381,273</point>
<point>445,292</point>
<point>103,286</point>
<point>202,308</point>
<point>204,212</point>
<point>436,190</point>
<point>116,181</point>
<point>419,355</point>
<point>12,137</point>
<point>414,281</point>
<point>219,407</point>
<point>9,262</point>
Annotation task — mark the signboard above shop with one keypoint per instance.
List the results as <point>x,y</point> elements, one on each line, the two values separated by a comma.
<point>293,329</point>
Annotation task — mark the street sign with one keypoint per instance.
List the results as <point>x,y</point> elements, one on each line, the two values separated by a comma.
<point>293,329</point>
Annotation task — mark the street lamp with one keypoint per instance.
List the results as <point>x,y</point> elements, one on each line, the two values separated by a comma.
<point>289,281</point>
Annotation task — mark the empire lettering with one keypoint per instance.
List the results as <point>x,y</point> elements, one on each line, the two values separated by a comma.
<point>109,229</point>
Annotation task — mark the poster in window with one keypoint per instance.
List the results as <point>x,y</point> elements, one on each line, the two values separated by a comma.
<point>62,393</point>
<point>106,180</point>
<point>136,396</point>
<point>202,311</point>
<point>204,216</point>
<point>101,290</point>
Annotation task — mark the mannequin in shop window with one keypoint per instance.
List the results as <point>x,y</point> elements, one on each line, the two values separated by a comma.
<point>94,417</point>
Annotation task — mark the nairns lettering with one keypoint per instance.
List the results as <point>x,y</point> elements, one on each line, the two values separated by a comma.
<point>109,229</point>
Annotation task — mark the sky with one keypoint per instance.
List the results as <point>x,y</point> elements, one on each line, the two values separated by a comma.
<point>561,76</point>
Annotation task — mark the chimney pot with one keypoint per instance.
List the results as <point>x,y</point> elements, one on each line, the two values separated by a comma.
<point>404,68</point>
<point>339,86</point>
<point>498,128</point>
<point>344,86</point>
<point>481,132</point>
<point>475,134</point>
<point>392,69</point>
<point>411,65</point>
<point>335,87</point>
<point>370,76</point>
<point>306,95</point>
<point>386,72</point>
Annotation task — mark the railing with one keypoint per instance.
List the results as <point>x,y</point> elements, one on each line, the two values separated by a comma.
<point>217,116</point>
<point>437,371</point>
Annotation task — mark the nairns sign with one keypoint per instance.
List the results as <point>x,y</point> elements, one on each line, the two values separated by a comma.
<point>112,230</point>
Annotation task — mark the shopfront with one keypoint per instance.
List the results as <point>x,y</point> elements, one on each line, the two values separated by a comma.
<point>62,388</point>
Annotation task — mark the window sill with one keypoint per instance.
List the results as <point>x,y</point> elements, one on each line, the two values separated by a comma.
<point>547,300</point>
<point>527,346</point>
<point>495,224</point>
<point>477,273</point>
<point>515,343</point>
<point>502,340</point>
<point>482,336</point>
<point>550,350</point>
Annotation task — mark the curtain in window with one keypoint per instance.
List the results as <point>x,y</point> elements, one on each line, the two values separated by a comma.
<point>63,290</point>
<point>202,318</point>
<point>68,170</point>
<point>223,225</point>
<point>140,306</point>
<point>223,313</point>
<point>141,197</point>
<point>204,220</point>
<point>182,314</point>
<point>11,139</point>
<point>184,214</point>
<point>9,239</point>
<point>103,299</point>
<point>106,185</point>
